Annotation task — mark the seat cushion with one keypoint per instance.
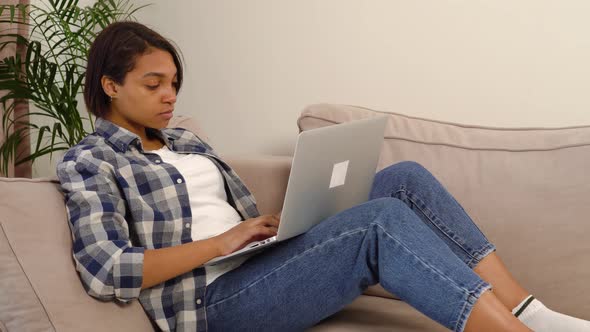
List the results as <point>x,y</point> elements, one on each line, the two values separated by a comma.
<point>371,313</point>
<point>528,189</point>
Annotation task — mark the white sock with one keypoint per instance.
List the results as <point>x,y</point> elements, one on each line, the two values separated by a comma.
<point>537,317</point>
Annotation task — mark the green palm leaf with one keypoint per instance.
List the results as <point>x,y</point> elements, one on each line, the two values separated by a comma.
<point>51,73</point>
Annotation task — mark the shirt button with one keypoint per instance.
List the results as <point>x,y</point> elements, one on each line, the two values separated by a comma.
<point>187,225</point>
<point>178,180</point>
<point>198,301</point>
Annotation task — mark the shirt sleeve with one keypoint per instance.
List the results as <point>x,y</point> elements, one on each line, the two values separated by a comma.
<point>109,266</point>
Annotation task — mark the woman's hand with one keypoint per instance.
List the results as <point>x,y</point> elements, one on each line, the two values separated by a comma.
<point>250,230</point>
<point>278,214</point>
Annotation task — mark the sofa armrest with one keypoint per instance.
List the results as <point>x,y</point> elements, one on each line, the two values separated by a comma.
<point>265,176</point>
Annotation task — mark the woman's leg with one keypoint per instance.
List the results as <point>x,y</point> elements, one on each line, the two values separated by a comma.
<point>506,288</point>
<point>426,196</point>
<point>490,315</point>
<point>301,281</point>
<point>419,190</point>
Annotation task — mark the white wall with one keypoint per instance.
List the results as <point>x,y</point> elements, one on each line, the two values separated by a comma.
<point>253,65</point>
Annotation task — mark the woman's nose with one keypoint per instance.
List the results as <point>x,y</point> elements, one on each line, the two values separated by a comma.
<point>170,96</point>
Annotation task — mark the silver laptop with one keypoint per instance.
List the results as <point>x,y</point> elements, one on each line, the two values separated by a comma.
<point>333,169</point>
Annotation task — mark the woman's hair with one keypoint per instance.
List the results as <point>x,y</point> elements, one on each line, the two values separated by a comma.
<point>114,53</point>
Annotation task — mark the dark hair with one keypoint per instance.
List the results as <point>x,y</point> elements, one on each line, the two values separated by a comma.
<point>113,54</point>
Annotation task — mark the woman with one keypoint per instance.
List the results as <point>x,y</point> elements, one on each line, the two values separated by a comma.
<point>148,205</point>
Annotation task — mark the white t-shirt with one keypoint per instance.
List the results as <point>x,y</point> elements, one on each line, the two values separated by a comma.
<point>212,214</point>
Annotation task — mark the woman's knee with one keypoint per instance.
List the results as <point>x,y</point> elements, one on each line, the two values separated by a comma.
<point>391,210</point>
<point>394,177</point>
<point>404,169</point>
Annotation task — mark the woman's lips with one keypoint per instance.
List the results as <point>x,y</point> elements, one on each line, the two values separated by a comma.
<point>166,115</point>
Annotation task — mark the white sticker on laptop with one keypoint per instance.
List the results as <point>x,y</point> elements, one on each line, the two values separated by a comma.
<point>339,174</point>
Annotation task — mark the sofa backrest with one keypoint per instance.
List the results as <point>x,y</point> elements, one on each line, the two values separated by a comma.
<point>527,188</point>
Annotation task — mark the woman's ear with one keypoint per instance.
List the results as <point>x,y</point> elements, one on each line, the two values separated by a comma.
<point>109,86</point>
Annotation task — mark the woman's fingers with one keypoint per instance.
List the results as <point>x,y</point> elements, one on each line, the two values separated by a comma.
<point>273,221</point>
<point>263,226</point>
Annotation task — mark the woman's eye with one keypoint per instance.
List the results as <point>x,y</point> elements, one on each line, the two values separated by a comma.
<point>152,87</point>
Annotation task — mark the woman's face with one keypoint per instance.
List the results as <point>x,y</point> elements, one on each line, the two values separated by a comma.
<point>148,93</point>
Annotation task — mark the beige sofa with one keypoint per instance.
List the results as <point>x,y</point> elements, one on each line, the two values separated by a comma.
<point>528,189</point>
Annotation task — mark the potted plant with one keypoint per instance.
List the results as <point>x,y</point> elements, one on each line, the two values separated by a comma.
<point>51,74</point>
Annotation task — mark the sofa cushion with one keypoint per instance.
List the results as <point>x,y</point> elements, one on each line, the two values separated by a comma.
<point>527,188</point>
<point>34,221</point>
<point>26,314</point>
<point>377,314</point>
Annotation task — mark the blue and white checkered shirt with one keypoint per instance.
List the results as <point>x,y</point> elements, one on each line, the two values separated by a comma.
<point>121,200</point>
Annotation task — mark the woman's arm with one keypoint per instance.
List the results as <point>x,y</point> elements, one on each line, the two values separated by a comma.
<point>162,264</point>
<point>109,266</point>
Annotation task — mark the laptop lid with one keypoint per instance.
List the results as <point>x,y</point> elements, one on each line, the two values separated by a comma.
<point>333,170</point>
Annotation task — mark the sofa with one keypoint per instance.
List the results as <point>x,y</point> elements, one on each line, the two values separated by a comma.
<point>527,188</point>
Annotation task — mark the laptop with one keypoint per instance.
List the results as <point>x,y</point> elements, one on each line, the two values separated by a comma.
<point>332,170</point>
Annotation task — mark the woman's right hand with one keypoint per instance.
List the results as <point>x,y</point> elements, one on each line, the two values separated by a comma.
<point>250,230</point>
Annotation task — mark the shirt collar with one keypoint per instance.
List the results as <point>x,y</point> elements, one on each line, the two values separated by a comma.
<point>121,138</point>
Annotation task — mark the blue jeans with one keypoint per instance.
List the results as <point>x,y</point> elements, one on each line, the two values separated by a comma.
<point>412,236</point>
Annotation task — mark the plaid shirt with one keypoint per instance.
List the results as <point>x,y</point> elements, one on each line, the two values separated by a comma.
<point>121,200</point>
